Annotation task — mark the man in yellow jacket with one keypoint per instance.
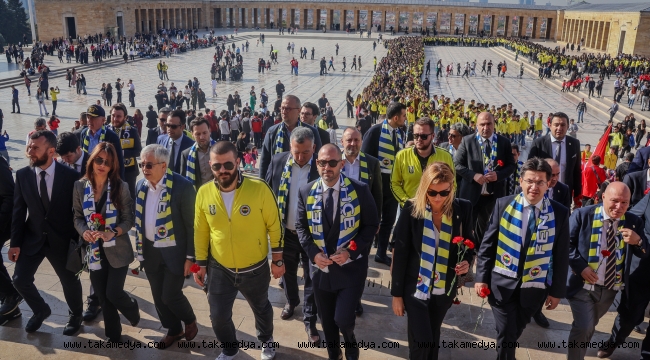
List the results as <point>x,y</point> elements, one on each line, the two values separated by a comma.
<point>235,219</point>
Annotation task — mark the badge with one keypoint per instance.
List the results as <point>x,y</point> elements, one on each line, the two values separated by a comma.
<point>419,280</point>
<point>436,277</point>
<point>162,232</point>
<point>213,209</point>
<point>386,162</point>
<point>411,169</point>
<point>535,271</point>
<point>245,210</point>
<point>506,259</point>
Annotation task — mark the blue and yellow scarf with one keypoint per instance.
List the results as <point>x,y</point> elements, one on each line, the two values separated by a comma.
<point>164,226</point>
<point>86,140</point>
<point>191,161</point>
<point>594,248</point>
<point>429,253</point>
<point>93,256</point>
<point>387,151</point>
<point>279,138</point>
<point>489,163</point>
<point>363,169</point>
<point>285,185</point>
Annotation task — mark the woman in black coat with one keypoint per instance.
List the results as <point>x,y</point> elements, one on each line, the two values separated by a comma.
<point>423,297</point>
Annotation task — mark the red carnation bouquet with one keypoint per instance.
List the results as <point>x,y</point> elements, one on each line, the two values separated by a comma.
<point>97,220</point>
<point>463,245</point>
<point>483,294</point>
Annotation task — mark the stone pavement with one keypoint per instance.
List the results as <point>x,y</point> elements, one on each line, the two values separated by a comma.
<point>377,326</point>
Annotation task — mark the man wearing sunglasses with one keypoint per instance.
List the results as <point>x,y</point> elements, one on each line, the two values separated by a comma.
<point>336,237</point>
<point>175,140</point>
<point>235,216</point>
<point>288,172</point>
<point>161,129</point>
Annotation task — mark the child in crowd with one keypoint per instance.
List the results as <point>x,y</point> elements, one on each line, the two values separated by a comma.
<point>248,160</point>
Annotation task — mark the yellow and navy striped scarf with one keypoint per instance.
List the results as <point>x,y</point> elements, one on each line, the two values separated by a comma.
<point>190,168</point>
<point>164,226</point>
<point>279,138</point>
<point>540,250</point>
<point>429,253</point>
<point>363,169</point>
<point>489,163</point>
<point>349,209</point>
<point>93,257</point>
<point>594,248</point>
<point>387,151</point>
<point>285,184</point>
<point>86,140</point>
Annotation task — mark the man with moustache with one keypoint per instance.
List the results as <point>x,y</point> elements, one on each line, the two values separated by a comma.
<point>131,145</point>
<point>175,141</point>
<point>232,215</point>
<point>195,161</point>
<point>96,132</point>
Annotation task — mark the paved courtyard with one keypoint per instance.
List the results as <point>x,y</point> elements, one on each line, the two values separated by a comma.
<point>377,327</point>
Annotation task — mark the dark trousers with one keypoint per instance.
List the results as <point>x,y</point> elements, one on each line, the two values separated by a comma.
<point>14,104</point>
<point>6,286</point>
<point>108,283</point>
<point>132,98</point>
<point>26,268</point>
<point>257,136</point>
<point>336,312</point>
<point>130,177</point>
<point>510,318</point>
<point>223,286</point>
<point>292,254</point>
<point>54,107</point>
<point>350,111</point>
<point>119,96</point>
<point>632,308</point>
<point>388,214</point>
<point>424,320</point>
<point>167,290</point>
<point>482,212</point>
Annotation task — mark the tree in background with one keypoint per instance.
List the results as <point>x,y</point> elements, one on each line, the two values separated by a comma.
<point>14,22</point>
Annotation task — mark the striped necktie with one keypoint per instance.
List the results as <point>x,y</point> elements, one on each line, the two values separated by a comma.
<point>610,266</point>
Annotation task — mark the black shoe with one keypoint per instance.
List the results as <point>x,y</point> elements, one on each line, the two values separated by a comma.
<point>10,303</point>
<point>10,316</point>
<point>37,319</point>
<point>287,312</point>
<point>639,330</point>
<point>359,310</point>
<point>136,318</point>
<point>91,312</point>
<point>541,320</point>
<point>312,334</point>
<point>387,260</point>
<point>73,325</point>
<point>114,340</point>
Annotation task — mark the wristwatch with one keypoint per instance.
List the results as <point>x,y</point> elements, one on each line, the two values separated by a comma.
<point>114,231</point>
<point>278,263</point>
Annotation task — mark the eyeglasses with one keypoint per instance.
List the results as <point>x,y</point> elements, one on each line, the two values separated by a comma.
<point>173,126</point>
<point>421,136</point>
<point>228,166</point>
<point>100,161</point>
<point>451,136</point>
<point>288,108</point>
<point>443,193</point>
<point>306,114</point>
<point>538,183</point>
<point>331,163</point>
<point>147,166</point>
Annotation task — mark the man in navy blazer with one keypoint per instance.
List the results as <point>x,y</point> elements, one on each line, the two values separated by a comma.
<point>10,309</point>
<point>303,171</point>
<point>640,161</point>
<point>590,302</point>
<point>513,301</point>
<point>175,140</point>
<point>638,183</point>
<point>337,288</point>
<point>44,190</point>
<point>92,134</point>
<point>557,190</point>
<point>167,267</point>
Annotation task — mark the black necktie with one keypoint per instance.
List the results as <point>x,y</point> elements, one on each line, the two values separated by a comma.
<point>610,266</point>
<point>75,167</point>
<point>558,152</point>
<point>488,148</point>
<point>395,141</point>
<point>45,199</point>
<point>530,230</point>
<point>172,157</point>
<point>329,206</point>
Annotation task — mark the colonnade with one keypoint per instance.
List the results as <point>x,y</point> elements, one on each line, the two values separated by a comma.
<point>591,33</point>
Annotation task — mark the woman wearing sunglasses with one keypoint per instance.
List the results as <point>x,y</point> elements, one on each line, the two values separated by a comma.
<point>103,215</point>
<point>425,259</point>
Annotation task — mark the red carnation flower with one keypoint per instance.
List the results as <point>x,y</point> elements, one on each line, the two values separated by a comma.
<point>195,268</point>
<point>468,243</point>
<point>605,253</point>
<point>499,162</point>
<point>646,191</point>
<point>456,301</point>
<point>135,272</point>
<point>457,240</point>
<point>484,292</point>
<point>352,246</point>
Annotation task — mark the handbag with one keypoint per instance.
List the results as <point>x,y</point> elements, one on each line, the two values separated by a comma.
<point>73,262</point>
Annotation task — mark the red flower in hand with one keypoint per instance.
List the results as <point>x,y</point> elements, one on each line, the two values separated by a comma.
<point>352,246</point>
<point>457,240</point>
<point>468,243</point>
<point>195,268</point>
<point>484,292</point>
<point>456,301</point>
<point>605,253</point>
<point>135,272</point>
<point>499,162</point>
<point>646,191</point>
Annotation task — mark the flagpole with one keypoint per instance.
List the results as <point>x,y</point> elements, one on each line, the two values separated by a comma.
<point>32,19</point>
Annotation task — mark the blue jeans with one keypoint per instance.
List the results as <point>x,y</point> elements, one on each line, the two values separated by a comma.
<point>581,115</point>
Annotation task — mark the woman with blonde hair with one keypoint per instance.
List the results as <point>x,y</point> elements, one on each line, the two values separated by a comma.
<point>425,259</point>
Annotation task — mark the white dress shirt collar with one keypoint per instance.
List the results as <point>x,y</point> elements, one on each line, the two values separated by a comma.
<point>49,171</point>
<point>553,139</point>
<point>160,184</point>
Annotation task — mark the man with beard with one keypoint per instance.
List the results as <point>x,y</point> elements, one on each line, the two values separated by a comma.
<point>44,190</point>
<point>237,210</point>
<point>131,145</point>
<point>96,133</point>
<point>195,160</point>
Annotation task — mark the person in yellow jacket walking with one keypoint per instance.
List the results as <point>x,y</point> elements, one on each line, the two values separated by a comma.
<point>53,93</point>
<point>234,217</point>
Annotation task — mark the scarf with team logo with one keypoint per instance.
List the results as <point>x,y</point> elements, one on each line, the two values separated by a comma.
<point>285,184</point>
<point>349,209</point>
<point>86,140</point>
<point>594,248</point>
<point>191,161</point>
<point>387,151</point>
<point>431,253</point>
<point>164,226</point>
<point>110,218</point>
<point>489,163</point>
<point>279,138</point>
<point>540,249</point>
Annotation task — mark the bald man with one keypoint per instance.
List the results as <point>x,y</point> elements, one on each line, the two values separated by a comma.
<point>591,288</point>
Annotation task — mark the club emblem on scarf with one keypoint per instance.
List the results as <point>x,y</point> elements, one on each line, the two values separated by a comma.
<point>162,232</point>
<point>436,277</point>
<point>506,259</point>
<point>535,271</point>
<point>386,162</point>
<point>213,209</point>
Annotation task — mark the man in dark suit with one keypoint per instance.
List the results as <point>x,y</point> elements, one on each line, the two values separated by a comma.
<point>484,173</point>
<point>517,289</point>
<point>638,183</point>
<point>640,161</point>
<point>154,132</point>
<point>308,114</point>
<point>8,293</point>
<point>290,109</point>
<point>391,127</point>
<point>44,190</point>
<point>564,149</point>
<point>96,133</point>
<point>202,174</point>
<point>340,264</point>
<point>595,280</point>
<point>175,140</point>
<point>303,170</point>
<point>166,266</point>
<point>556,190</point>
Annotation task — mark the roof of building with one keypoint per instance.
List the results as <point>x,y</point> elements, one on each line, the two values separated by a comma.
<point>423,3</point>
<point>586,7</point>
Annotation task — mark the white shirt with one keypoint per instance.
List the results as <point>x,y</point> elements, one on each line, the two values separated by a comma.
<point>352,169</point>
<point>603,246</point>
<point>524,218</point>
<point>299,177</point>
<point>151,209</point>
<point>647,180</point>
<point>562,155</point>
<point>335,196</point>
<point>49,179</point>
<point>131,87</point>
<point>228,199</point>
